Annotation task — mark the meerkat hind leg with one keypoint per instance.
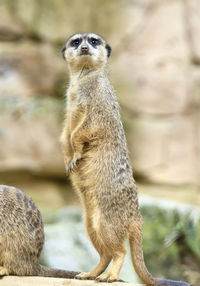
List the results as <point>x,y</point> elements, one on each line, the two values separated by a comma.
<point>105,257</point>
<point>113,239</point>
<point>113,273</point>
<point>97,270</point>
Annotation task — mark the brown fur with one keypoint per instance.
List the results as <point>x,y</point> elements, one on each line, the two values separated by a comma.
<point>22,236</point>
<point>95,152</point>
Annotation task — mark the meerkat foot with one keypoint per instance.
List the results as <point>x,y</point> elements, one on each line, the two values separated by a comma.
<point>106,277</point>
<point>85,276</point>
<point>3,271</point>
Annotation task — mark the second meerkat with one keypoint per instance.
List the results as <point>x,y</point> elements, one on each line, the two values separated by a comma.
<point>96,156</point>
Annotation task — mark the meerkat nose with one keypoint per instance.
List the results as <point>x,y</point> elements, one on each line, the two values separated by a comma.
<point>84,49</point>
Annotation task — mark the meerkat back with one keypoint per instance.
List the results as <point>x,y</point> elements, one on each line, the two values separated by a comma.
<point>21,231</point>
<point>22,236</point>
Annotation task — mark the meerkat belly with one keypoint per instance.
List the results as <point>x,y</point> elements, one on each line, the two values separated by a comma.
<point>73,118</point>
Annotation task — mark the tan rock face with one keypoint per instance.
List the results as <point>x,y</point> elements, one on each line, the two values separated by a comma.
<point>192,22</point>
<point>164,149</point>
<point>160,96</point>
<point>36,68</point>
<point>57,20</point>
<point>29,136</point>
<point>154,68</point>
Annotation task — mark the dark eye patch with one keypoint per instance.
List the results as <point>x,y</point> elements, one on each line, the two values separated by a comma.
<point>63,52</point>
<point>76,42</point>
<point>109,50</point>
<point>94,42</point>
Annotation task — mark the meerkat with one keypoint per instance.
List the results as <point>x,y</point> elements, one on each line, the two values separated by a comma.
<point>22,236</point>
<point>96,157</point>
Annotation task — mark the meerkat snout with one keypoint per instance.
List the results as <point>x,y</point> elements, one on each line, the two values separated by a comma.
<point>84,50</point>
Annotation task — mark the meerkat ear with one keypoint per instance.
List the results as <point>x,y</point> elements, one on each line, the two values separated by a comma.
<point>63,51</point>
<point>109,50</point>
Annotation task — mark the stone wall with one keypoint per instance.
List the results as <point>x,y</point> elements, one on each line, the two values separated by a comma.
<point>155,69</point>
<point>161,69</point>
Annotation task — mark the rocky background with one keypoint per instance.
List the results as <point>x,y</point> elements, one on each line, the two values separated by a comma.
<point>154,68</point>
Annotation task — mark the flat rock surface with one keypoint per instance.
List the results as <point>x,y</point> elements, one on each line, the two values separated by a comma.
<point>43,281</point>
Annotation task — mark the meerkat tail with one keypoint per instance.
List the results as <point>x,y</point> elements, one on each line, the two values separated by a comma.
<point>51,272</point>
<point>135,240</point>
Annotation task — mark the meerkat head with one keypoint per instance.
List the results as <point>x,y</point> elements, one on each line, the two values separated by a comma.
<point>87,50</point>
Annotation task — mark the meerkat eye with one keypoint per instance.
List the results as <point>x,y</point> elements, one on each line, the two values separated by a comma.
<point>76,42</point>
<point>94,42</point>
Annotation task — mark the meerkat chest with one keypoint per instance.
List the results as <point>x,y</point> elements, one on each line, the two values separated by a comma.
<point>75,106</point>
<point>72,97</point>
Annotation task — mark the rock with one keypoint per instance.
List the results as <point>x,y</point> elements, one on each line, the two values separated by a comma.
<point>30,125</point>
<point>31,69</point>
<point>192,22</point>
<point>159,94</point>
<point>157,148</point>
<point>170,195</point>
<point>9,29</point>
<point>41,281</point>
<point>154,67</point>
<point>56,21</point>
<point>29,136</point>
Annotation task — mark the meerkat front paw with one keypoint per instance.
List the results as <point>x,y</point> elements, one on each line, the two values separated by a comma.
<point>72,164</point>
<point>84,276</point>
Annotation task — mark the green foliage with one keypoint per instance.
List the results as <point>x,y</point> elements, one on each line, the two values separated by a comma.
<point>161,227</point>
<point>191,232</point>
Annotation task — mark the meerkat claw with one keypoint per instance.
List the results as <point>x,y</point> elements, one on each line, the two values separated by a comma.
<point>72,165</point>
<point>106,277</point>
<point>84,276</point>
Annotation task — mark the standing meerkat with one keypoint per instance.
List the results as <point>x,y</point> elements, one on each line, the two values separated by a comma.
<point>96,156</point>
<point>22,237</point>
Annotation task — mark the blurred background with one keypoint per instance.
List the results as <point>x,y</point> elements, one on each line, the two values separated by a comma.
<point>155,70</point>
